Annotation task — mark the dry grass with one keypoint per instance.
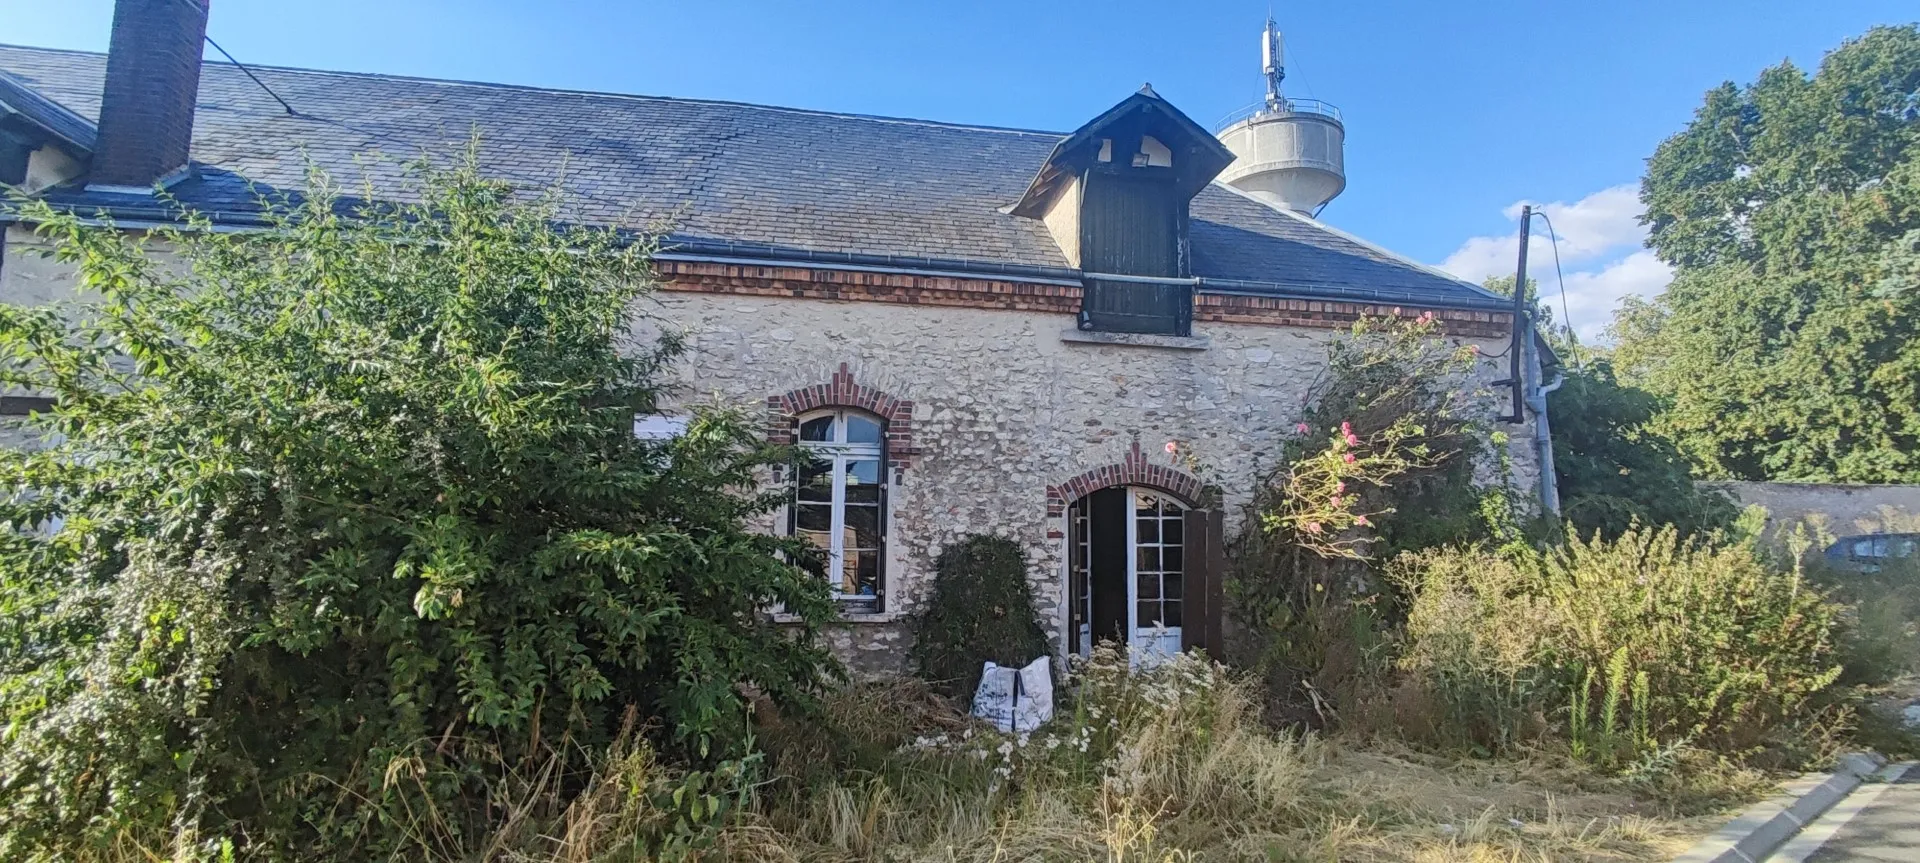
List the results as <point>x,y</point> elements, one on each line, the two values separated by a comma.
<point>1191,776</point>
<point>1176,768</point>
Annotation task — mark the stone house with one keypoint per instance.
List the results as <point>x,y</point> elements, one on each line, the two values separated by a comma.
<point>979,330</point>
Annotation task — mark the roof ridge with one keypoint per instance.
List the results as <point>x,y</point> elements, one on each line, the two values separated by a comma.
<point>607,94</point>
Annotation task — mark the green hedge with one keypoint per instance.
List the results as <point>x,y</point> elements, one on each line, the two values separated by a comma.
<point>981,610</point>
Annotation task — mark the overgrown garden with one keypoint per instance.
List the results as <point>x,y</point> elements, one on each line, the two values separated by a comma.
<point>340,546</point>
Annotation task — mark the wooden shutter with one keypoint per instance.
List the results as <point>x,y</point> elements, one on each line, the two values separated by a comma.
<point>1203,593</point>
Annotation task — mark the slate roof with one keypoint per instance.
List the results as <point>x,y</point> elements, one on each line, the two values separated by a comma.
<point>745,180</point>
<point>17,98</point>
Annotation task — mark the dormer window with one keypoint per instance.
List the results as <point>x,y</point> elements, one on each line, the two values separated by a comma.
<point>1114,196</point>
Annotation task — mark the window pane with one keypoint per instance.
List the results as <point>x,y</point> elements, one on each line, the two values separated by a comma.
<point>1863,548</point>
<point>863,574</point>
<point>1170,613</point>
<point>863,472</point>
<point>862,430</point>
<point>1170,559</point>
<point>817,429</point>
<point>814,524</point>
<point>1145,504</point>
<point>1149,560</point>
<point>816,480</point>
<point>1171,585</point>
<point>863,527</point>
<point>1148,528</point>
<point>1149,614</point>
<point>1148,585</point>
<point>813,518</point>
<point>1172,530</point>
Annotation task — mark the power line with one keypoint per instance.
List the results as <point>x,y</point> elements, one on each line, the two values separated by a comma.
<point>1565,312</point>
<point>371,133</point>
<point>249,73</point>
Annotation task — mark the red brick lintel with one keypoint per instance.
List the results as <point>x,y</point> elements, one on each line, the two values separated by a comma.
<point>842,391</point>
<point>1014,295</point>
<point>1135,470</point>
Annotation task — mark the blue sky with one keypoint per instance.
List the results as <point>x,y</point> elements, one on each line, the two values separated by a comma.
<point>1456,112</point>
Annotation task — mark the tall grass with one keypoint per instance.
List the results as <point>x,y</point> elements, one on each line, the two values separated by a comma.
<point>1161,766</point>
<point>1622,647</point>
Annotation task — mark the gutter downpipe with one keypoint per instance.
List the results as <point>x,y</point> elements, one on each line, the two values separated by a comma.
<point>1542,431</point>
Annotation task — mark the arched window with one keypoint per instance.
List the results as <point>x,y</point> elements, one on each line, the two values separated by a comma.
<point>841,504</point>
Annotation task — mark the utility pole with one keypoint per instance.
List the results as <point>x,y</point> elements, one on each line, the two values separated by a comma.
<point>1521,329</point>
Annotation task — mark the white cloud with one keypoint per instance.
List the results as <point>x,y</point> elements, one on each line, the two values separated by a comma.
<point>1592,296</point>
<point>1600,245</point>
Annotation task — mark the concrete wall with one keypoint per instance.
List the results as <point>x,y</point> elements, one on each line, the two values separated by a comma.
<point>1843,509</point>
<point>1005,407</point>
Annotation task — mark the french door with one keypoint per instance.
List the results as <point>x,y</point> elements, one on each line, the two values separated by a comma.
<point>1126,562</point>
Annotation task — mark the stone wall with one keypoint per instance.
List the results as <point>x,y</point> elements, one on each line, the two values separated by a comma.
<point>1844,509</point>
<point>1005,410</point>
<point>1006,416</point>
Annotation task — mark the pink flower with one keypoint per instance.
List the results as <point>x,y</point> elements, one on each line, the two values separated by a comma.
<point>1313,527</point>
<point>1425,317</point>
<point>1172,447</point>
<point>1352,440</point>
<point>1396,311</point>
<point>1346,429</point>
<point>1333,501</point>
<point>1361,520</point>
<point>1348,458</point>
<point>1473,348</point>
<point>1340,486</point>
<point>1301,428</point>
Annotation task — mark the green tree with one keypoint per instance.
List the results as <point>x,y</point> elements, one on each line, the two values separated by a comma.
<point>1613,468</point>
<point>353,528</point>
<point>1790,210</point>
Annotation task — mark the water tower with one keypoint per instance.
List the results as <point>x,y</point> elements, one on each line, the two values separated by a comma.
<point>1288,152</point>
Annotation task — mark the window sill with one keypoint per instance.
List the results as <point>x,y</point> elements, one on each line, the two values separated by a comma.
<point>1137,340</point>
<point>850,617</point>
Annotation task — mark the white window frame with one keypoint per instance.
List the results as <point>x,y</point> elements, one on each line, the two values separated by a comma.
<point>840,452</point>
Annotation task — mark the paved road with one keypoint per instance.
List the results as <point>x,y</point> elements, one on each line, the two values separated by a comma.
<point>1887,829</point>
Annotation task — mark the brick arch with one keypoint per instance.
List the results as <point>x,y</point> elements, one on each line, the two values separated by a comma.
<point>841,391</point>
<point>1134,470</point>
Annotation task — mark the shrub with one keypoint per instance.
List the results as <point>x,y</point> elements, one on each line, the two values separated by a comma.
<point>1614,471</point>
<point>981,610</point>
<point>1647,640</point>
<point>353,524</point>
<point>1387,447</point>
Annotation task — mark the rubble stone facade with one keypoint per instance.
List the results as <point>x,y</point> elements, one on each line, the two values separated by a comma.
<point>998,418</point>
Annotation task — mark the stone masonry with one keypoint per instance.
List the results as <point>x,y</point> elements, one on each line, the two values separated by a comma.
<point>1009,421</point>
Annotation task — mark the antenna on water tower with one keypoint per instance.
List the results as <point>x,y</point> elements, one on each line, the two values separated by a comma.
<point>1288,152</point>
<point>1273,64</point>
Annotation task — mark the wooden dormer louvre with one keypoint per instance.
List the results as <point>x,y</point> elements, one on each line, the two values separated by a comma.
<point>1114,194</point>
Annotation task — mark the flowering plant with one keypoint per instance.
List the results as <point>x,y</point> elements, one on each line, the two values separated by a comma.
<point>1321,499</point>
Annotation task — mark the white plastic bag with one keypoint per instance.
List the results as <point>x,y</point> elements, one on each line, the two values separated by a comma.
<point>1016,700</point>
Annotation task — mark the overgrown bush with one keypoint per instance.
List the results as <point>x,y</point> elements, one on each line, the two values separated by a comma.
<point>1385,458</point>
<point>1623,646</point>
<point>981,610</point>
<point>1614,470</point>
<point>346,527</point>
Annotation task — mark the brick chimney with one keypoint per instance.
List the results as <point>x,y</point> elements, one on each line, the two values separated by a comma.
<point>153,81</point>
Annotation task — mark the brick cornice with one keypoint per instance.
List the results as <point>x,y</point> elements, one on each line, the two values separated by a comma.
<point>1013,295</point>
<point>842,391</point>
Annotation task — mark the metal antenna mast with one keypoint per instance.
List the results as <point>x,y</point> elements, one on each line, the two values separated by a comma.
<point>1273,63</point>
